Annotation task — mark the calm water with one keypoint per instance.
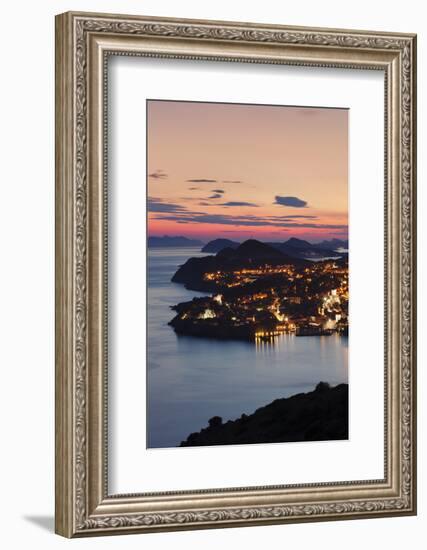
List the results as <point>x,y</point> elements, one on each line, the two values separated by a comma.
<point>192,379</point>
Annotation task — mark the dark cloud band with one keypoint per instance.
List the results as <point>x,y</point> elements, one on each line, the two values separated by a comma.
<point>158,175</point>
<point>250,221</point>
<point>201,180</point>
<point>238,203</point>
<point>293,202</point>
<point>158,205</point>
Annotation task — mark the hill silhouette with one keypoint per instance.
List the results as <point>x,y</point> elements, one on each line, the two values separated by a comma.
<point>320,415</point>
<point>251,253</point>
<point>218,244</point>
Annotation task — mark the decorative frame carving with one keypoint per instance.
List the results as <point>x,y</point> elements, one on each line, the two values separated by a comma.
<point>83,42</point>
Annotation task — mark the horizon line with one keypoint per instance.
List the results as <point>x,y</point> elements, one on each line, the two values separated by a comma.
<point>240,239</point>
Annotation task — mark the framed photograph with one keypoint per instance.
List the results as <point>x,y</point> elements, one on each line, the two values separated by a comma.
<point>235,274</point>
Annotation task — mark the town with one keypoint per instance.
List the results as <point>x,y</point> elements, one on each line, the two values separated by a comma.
<point>262,302</point>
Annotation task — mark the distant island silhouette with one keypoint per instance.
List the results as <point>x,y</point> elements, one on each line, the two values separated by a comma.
<point>172,242</point>
<point>297,248</point>
<point>218,244</point>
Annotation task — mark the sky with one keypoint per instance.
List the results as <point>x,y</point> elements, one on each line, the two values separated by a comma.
<point>236,171</point>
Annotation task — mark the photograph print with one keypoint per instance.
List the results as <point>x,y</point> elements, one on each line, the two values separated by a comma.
<point>248,278</point>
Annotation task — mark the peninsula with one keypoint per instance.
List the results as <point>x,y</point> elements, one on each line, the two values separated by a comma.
<point>258,292</point>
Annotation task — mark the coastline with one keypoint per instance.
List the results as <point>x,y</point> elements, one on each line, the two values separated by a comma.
<point>258,293</point>
<point>319,415</point>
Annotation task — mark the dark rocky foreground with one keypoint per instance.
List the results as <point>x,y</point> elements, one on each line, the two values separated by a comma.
<point>320,415</point>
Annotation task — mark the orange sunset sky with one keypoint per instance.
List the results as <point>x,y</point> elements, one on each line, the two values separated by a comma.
<point>246,171</point>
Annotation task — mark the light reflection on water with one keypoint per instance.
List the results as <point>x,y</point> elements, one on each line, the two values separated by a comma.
<point>192,379</point>
<point>284,343</point>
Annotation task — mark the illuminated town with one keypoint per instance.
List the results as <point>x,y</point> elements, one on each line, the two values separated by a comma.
<point>261,303</point>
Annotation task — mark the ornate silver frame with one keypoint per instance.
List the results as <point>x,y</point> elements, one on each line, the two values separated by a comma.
<point>83,505</point>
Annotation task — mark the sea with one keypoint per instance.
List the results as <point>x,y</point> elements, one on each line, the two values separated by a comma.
<point>190,380</point>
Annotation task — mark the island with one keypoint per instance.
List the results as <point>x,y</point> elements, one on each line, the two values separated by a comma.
<point>219,244</point>
<point>172,242</point>
<point>258,293</point>
<point>334,244</point>
<point>299,248</point>
<point>320,415</point>
<point>294,247</point>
